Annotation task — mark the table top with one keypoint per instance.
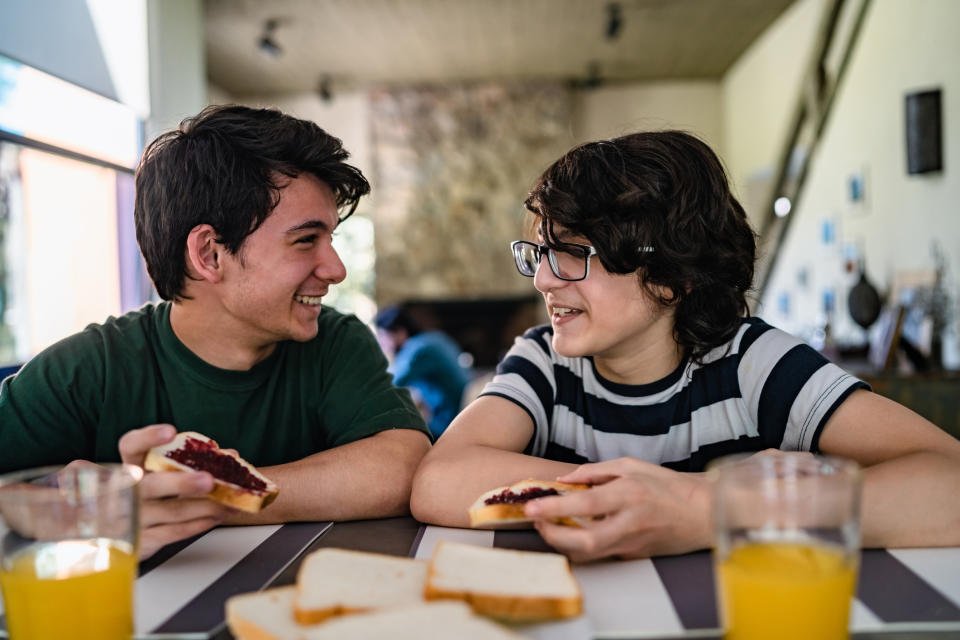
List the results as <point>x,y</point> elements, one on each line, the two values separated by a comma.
<point>905,594</point>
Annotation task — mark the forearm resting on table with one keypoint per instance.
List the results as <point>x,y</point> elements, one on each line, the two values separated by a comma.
<point>452,477</point>
<point>369,478</point>
<point>913,501</point>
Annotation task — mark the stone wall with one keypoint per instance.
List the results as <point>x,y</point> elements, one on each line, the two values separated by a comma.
<point>451,168</point>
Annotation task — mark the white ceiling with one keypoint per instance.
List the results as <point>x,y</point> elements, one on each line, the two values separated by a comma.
<point>357,42</point>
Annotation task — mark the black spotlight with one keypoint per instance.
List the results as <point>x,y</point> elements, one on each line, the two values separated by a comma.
<point>268,43</point>
<point>614,20</point>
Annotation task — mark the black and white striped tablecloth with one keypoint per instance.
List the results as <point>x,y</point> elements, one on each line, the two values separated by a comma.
<point>181,590</point>
<point>906,589</point>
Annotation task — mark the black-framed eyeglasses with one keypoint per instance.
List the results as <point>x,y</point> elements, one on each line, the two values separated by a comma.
<point>570,264</point>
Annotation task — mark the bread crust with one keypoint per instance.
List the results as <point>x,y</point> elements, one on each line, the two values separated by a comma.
<point>314,616</point>
<point>511,515</point>
<point>245,630</point>
<point>508,608</point>
<point>512,608</point>
<point>226,493</point>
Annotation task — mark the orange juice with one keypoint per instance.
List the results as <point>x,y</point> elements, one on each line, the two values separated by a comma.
<point>786,591</point>
<point>78,589</point>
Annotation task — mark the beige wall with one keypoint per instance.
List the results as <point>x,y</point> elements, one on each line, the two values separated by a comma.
<point>612,111</point>
<point>346,116</point>
<point>906,45</point>
<point>759,94</point>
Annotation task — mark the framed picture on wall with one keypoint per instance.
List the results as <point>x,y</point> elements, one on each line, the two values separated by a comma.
<point>886,338</point>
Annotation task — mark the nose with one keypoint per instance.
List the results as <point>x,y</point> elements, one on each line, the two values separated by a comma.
<point>544,279</point>
<point>329,265</point>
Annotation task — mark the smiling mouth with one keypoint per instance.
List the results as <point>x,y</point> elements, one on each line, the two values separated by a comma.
<point>311,300</point>
<point>562,312</point>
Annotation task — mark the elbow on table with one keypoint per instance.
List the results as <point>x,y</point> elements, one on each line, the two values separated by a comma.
<point>426,494</point>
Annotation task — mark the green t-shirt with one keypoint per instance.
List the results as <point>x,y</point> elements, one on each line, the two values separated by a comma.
<point>76,398</point>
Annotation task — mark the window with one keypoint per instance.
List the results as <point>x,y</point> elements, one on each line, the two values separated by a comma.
<point>68,255</point>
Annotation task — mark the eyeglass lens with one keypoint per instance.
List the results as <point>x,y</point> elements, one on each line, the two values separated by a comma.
<point>567,265</point>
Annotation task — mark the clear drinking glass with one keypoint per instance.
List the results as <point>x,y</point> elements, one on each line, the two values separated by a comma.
<point>787,545</point>
<point>68,556</point>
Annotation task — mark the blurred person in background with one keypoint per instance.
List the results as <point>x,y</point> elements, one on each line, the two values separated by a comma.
<point>426,362</point>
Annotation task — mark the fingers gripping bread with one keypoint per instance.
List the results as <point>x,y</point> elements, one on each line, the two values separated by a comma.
<point>502,508</point>
<point>237,483</point>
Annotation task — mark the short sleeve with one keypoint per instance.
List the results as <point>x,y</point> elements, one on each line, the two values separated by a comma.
<point>48,410</point>
<point>790,389</point>
<point>525,377</point>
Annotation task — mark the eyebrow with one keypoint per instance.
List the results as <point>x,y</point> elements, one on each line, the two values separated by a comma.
<point>308,225</point>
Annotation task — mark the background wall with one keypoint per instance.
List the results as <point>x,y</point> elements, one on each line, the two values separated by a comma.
<point>759,94</point>
<point>178,74</point>
<point>905,46</point>
<point>611,111</point>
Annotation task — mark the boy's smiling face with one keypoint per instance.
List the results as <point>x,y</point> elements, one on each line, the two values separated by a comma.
<point>272,288</point>
<point>607,315</point>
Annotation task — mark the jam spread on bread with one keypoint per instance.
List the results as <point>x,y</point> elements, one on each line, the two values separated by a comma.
<point>204,456</point>
<point>511,497</point>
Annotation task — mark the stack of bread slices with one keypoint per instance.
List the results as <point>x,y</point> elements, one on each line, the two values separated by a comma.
<point>353,594</point>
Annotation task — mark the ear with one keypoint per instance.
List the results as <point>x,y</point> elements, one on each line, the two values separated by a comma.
<point>204,253</point>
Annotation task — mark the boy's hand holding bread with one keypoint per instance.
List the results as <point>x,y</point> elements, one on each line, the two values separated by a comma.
<point>503,507</point>
<point>237,483</point>
<point>175,505</point>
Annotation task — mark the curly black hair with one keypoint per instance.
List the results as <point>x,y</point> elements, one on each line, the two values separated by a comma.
<point>226,167</point>
<point>666,190</point>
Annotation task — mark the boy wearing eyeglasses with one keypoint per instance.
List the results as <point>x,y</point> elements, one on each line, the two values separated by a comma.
<point>651,367</point>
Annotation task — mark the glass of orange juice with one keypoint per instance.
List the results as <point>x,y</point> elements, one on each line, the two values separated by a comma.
<point>787,545</point>
<point>68,551</point>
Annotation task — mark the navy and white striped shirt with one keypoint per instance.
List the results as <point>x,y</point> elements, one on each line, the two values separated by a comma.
<point>763,389</point>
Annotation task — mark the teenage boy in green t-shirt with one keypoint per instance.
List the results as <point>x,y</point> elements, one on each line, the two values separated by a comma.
<point>234,215</point>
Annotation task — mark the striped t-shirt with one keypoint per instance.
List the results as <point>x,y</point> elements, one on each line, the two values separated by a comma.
<point>763,389</point>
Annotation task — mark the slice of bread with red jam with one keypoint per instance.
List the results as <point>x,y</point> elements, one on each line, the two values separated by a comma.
<point>237,483</point>
<point>502,508</point>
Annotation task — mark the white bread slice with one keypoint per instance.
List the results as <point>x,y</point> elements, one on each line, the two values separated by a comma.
<point>232,495</point>
<point>516,586</point>
<point>510,515</point>
<point>332,582</point>
<point>264,615</point>
<point>427,620</point>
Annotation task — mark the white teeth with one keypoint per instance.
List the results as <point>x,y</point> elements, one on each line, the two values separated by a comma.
<point>562,311</point>
<point>307,299</point>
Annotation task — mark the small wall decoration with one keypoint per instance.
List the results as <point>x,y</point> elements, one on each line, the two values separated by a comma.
<point>924,132</point>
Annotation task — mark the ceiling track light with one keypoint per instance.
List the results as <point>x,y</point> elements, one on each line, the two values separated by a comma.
<point>614,20</point>
<point>324,89</point>
<point>268,43</point>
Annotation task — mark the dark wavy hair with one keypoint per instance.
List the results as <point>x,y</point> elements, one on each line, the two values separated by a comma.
<point>225,167</point>
<point>667,190</point>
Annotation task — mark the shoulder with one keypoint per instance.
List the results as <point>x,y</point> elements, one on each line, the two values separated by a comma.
<point>535,344</point>
<point>132,327</point>
<point>535,349</point>
<point>83,357</point>
<point>755,338</point>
